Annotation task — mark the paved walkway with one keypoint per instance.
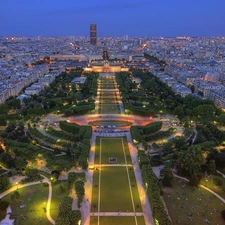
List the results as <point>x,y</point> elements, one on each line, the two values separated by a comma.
<point>214,193</point>
<point>147,212</point>
<point>116,214</point>
<point>86,204</point>
<point>45,180</point>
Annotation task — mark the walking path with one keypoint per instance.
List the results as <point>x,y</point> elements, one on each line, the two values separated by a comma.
<point>45,180</point>
<point>214,193</point>
<point>116,214</point>
<point>86,204</point>
<point>147,212</point>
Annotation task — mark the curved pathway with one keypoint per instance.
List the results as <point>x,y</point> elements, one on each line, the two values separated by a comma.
<point>213,192</point>
<point>45,180</point>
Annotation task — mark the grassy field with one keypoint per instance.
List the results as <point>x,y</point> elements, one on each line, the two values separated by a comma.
<point>194,206</point>
<point>107,83</point>
<point>134,189</point>
<point>97,150</point>
<point>115,191</point>
<point>208,182</point>
<point>58,191</point>
<point>108,94</point>
<point>109,109</point>
<point>121,220</point>
<point>95,192</point>
<point>111,147</point>
<point>108,101</point>
<point>34,199</point>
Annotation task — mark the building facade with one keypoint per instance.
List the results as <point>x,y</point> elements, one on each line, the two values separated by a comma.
<point>93,34</point>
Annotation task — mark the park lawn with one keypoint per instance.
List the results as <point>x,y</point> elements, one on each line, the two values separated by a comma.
<point>109,101</point>
<point>97,150</point>
<point>208,182</point>
<point>48,175</point>
<point>95,190</point>
<point>107,85</point>
<point>112,220</point>
<point>107,94</point>
<point>140,220</point>
<point>126,149</point>
<point>200,204</point>
<point>35,198</point>
<point>109,109</point>
<point>59,189</point>
<point>111,147</point>
<point>115,194</point>
<point>134,189</point>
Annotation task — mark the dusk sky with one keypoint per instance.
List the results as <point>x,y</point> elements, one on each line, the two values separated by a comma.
<point>113,17</point>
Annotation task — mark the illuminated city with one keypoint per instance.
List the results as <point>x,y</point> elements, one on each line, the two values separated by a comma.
<point>117,120</point>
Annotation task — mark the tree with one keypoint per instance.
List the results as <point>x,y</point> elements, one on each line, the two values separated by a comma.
<point>20,163</point>
<point>221,119</point>
<point>79,187</point>
<point>7,159</point>
<point>65,214</point>
<point>32,174</point>
<point>83,162</point>
<point>167,177</point>
<point>179,112</point>
<point>3,205</point>
<point>15,195</point>
<point>194,180</point>
<point>212,166</point>
<point>4,183</point>
<point>217,181</point>
<point>3,120</point>
<point>220,159</point>
<point>189,162</point>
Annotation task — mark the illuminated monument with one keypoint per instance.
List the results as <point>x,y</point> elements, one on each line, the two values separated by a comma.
<point>93,34</point>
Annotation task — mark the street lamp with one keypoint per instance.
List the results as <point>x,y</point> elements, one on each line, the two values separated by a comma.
<point>17,185</point>
<point>44,207</point>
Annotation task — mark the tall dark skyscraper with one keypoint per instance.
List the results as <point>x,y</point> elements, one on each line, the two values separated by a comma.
<point>93,34</point>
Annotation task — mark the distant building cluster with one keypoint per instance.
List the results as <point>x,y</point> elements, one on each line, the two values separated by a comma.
<point>194,65</point>
<point>46,80</point>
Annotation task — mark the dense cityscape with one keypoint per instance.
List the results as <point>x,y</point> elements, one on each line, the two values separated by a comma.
<point>104,130</point>
<point>193,64</point>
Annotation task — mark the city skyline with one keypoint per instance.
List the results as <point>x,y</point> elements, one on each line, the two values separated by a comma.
<point>114,18</point>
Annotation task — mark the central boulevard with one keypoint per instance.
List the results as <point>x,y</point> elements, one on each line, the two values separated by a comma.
<point>87,214</point>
